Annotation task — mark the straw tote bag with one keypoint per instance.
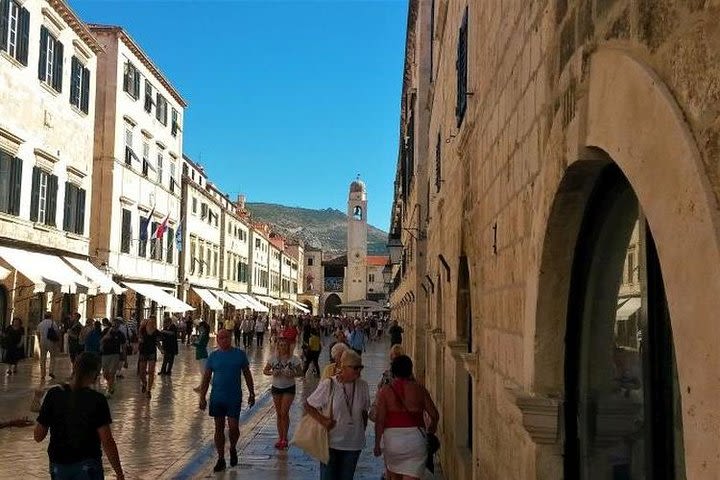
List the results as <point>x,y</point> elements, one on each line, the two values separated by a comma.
<point>312,437</point>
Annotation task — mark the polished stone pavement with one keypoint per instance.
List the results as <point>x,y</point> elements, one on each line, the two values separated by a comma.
<point>167,436</point>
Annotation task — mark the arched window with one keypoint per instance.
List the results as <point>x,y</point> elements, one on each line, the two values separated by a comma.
<point>358,212</point>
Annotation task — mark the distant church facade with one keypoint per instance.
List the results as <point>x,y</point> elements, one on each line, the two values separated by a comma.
<point>331,279</point>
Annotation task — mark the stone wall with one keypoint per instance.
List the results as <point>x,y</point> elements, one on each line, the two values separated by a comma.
<point>529,118</point>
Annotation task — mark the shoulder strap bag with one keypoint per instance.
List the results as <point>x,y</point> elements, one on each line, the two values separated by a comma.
<point>311,436</point>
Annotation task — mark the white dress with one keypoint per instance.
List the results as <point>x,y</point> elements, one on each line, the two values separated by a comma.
<point>405,451</point>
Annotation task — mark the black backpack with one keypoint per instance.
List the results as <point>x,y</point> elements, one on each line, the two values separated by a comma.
<point>52,334</point>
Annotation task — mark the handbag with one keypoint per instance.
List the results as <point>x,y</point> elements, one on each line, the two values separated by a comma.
<point>312,437</point>
<point>432,442</point>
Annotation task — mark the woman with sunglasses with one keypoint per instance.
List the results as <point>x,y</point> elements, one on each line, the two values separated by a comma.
<point>347,422</point>
<point>284,367</point>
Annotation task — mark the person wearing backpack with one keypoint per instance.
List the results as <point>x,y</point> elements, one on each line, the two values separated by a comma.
<point>48,335</point>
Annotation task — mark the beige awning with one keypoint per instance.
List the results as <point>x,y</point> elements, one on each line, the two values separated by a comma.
<point>268,300</point>
<point>101,282</point>
<point>46,272</point>
<point>208,297</point>
<point>153,292</point>
<point>626,310</point>
<point>257,306</point>
<point>233,300</point>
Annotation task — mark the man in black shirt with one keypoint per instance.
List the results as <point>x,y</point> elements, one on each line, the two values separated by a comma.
<point>396,332</point>
<point>78,419</point>
<point>169,346</point>
<point>111,344</point>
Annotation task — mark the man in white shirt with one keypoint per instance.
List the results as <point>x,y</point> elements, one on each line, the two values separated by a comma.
<point>260,327</point>
<point>48,335</point>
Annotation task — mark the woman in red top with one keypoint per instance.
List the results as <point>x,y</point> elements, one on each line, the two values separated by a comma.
<point>290,333</point>
<point>400,426</point>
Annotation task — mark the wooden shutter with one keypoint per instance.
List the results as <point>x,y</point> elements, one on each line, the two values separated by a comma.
<point>15,186</point>
<point>136,84</point>
<point>158,106</point>
<point>170,239</point>
<point>5,181</point>
<point>23,36</point>
<point>42,62</point>
<point>58,66</point>
<point>80,215</point>
<point>67,211</point>
<point>35,195</point>
<point>148,96</point>
<point>126,78</point>
<point>125,233</point>
<point>85,91</point>
<point>75,80</point>
<point>51,200</point>
<point>4,19</point>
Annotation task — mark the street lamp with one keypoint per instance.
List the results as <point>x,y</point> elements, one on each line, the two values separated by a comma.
<point>395,247</point>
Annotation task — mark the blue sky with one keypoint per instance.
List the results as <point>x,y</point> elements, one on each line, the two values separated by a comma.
<point>289,100</point>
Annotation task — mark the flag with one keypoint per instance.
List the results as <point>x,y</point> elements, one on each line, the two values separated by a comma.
<point>179,238</point>
<point>145,225</point>
<point>160,230</point>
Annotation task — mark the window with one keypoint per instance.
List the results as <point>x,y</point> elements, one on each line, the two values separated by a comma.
<point>74,212</point>
<point>145,158</point>
<point>203,211</point>
<point>194,206</point>
<point>126,232</point>
<point>438,163</point>
<point>149,102</point>
<point>142,243</point>
<point>43,201</point>
<point>193,252</point>
<point>215,262</point>
<point>461,66</point>
<point>129,152</point>
<point>371,278</point>
<point>257,243</point>
<point>156,247</point>
<point>357,213</point>
<point>14,30</point>
<point>170,244</point>
<point>160,167</point>
<point>131,80</point>
<point>50,65</point>
<point>10,183</point>
<point>79,85</point>
<point>243,270</point>
<point>161,111</point>
<point>175,124</point>
<point>311,260</point>
<point>172,176</point>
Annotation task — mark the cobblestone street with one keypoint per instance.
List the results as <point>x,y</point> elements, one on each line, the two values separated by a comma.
<point>167,436</point>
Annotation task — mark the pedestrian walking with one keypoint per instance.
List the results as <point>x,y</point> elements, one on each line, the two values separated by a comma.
<point>333,368</point>
<point>346,427</point>
<point>357,338</point>
<point>248,331</point>
<point>260,328</point>
<point>78,419</point>
<point>48,335</point>
<point>169,337</point>
<point>111,345</point>
<point>284,368</point>
<point>73,334</point>
<point>201,353</point>
<point>401,433</point>
<point>224,367</point>
<point>312,351</point>
<point>188,329</point>
<point>396,332</point>
<point>147,357</point>
<point>93,337</point>
<point>12,344</point>
<point>289,331</point>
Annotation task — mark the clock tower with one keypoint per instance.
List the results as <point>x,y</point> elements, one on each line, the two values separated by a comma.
<point>356,273</point>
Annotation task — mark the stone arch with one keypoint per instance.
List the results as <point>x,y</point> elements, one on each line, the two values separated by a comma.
<point>331,304</point>
<point>632,119</point>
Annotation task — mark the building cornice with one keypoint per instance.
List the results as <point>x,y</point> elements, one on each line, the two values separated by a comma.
<point>142,56</point>
<point>78,26</point>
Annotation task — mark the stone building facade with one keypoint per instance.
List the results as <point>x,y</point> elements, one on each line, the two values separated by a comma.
<point>558,159</point>
<point>48,66</point>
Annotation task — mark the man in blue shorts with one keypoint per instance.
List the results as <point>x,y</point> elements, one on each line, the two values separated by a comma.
<point>224,366</point>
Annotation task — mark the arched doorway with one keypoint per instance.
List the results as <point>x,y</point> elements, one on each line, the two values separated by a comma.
<point>622,400</point>
<point>331,304</point>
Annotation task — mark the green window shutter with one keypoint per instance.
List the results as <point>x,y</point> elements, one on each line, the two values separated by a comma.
<point>51,201</point>
<point>4,17</point>
<point>42,62</point>
<point>126,228</point>
<point>58,67</point>
<point>15,186</point>
<point>80,215</point>
<point>35,195</point>
<point>170,239</point>
<point>75,81</point>
<point>67,211</point>
<point>85,91</point>
<point>23,36</point>
<point>5,181</point>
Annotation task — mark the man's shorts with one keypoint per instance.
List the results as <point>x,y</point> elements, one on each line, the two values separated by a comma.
<point>220,408</point>
<point>110,363</point>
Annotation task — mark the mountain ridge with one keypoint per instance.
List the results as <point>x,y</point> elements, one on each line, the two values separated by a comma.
<point>325,229</point>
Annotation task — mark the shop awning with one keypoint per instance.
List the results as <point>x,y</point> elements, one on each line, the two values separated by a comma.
<point>301,306</point>
<point>47,272</point>
<point>208,297</point>
<point>268,300</point>
<point>257,306</point>
<point>296,305</point>
<point>232,300</point>
<point>628,308</point>
<point>101,282</point>
<point>157,294</point>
